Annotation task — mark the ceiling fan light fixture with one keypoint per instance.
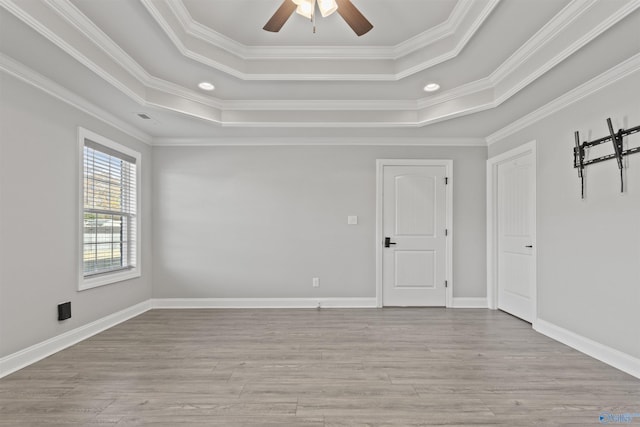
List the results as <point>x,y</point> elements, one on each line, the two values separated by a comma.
<point>305,8</point>
<point>431,87</point>
<point>327,7</point>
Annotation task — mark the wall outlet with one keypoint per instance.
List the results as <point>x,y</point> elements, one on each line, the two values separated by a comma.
<point>315,282</point>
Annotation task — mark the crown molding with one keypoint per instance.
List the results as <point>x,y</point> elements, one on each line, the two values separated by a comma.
<point>620,71</point>
<point>238,60</point>
<point>321,105</point>
<point>535,44</point>
<point>318,141</point>
<point>163,21</point>
<point>591,16</point>
<point>195,29</point>
<point>464,39</point>
<point>20,71</point>
<point>543,36</point>
<point>455,93</point>
<point>48,31</point>
<point>441,31</point>
<point>69,12</point>
<point>111,63</point>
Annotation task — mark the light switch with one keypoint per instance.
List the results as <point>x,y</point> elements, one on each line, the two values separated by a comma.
<point>352,219</point>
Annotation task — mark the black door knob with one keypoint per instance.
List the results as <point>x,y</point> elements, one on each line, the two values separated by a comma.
<point>388,242</point>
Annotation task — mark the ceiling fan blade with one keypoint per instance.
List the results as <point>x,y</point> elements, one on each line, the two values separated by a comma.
<point>280,17</point>
<point>356,20</point>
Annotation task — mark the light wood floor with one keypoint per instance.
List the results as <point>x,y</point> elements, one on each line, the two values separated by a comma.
<point>361,367</point>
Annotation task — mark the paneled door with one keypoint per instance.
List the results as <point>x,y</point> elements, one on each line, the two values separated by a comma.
<point>414,228</point>
<point>515,232</point>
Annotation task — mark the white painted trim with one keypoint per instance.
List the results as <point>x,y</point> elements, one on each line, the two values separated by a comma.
<point>34,353</point>
<point>612,75</point>
<point>462,91</point>
<point>29,76</point>
<point>380,164</point>
<point>187,29</point>
<point>319,141</point>
<point>81,26</point>
<point>26,14</point>
<point>601,352</point>
<point>85,283</point>
<point>29,355</point>
<point>90,30</point>
<point>75,17</point>
<point>469,302</point>
<point>453,53</point>
<point>446,29</point>
<point>434,34</point>
<point>263,303</point>
<point>543,36</point>
<point>379,230</point>
<point>319,105</point>
<point>492,238</point>
<point>372,123</point>
<point>577,44</point>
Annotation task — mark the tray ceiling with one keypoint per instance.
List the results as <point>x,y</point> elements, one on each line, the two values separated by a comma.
<point>150,55</point>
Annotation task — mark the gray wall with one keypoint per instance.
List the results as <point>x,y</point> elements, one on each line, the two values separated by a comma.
<point>262,221</point>
<point>39,216</point>
<point>588,250</point>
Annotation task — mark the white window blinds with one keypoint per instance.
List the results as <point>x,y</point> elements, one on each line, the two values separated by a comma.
<point>110,204</point>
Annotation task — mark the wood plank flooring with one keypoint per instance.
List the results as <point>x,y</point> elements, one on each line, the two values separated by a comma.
<point>343,367</point>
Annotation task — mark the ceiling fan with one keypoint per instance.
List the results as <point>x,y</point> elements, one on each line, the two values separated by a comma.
<point>356,20</point>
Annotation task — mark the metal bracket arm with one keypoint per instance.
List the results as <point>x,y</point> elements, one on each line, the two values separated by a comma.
<point>579,152</point>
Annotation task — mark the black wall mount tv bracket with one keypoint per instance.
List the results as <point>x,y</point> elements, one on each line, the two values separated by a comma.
<point>579,159</point>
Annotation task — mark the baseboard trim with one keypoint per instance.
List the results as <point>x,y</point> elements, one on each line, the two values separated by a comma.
<point>601,352</point>
<point>36,352</point>
<point>476,302</point>
<point>30,355</point>
<point>263,302</point>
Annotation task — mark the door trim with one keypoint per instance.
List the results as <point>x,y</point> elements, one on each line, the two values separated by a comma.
<point>492,227</point>
<point>448,165</point>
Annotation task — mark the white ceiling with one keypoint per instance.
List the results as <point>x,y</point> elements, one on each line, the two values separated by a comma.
<point>495,61</point>
<point>224,16</point>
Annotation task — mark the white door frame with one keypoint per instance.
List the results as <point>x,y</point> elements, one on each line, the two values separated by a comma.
<point>448,164</point>
<point>492,226</point>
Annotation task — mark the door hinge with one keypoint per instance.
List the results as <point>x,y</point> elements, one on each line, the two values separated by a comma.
<point>446,232</point>
<point>446,284</point>
<point>446,180</point>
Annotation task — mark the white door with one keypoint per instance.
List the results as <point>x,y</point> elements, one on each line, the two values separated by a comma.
<point>414,222</point>
<point>515,231</point>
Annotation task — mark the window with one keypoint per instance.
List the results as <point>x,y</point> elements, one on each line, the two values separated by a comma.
<point>109,218</point>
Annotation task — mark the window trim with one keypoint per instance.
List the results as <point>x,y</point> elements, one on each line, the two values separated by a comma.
<point>107,278</point>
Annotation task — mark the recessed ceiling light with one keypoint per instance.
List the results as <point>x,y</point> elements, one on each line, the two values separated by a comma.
<point>206,86</point>
<point>431,87</point>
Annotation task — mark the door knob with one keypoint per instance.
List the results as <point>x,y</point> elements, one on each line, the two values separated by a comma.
<point>529,246</point>
<point>388,242</point>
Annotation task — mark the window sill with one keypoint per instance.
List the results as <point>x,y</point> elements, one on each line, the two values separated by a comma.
<point>107,279</point>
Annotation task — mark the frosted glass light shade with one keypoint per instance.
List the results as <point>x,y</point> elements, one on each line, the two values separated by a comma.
<point>305,8</point>
<point>327,7</point>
